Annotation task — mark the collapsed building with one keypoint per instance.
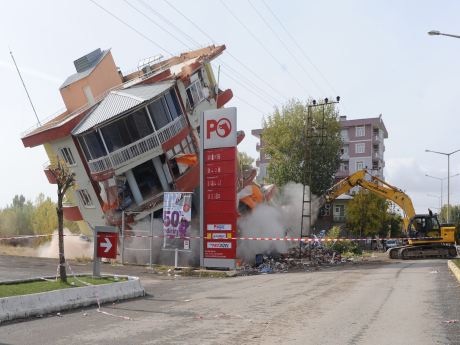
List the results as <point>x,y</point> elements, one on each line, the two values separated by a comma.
<point>128,138</point>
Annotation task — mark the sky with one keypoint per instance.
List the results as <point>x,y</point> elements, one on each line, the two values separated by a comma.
<point>376,55</point>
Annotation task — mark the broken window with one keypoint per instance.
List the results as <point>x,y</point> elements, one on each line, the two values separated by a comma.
<point>147,179</point>
<point>173,104</point>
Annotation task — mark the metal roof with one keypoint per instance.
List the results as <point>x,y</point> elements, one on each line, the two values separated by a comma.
<point>80,75</point>
<point>120,101</point>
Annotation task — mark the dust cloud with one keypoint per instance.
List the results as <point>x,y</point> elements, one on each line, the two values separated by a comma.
<point>74,247</point>
<point>281,218</point>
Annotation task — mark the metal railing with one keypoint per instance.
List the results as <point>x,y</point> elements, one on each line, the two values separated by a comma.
<point>126,154</point>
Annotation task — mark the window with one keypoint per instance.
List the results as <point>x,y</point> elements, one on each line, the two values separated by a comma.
<point>344,134</point>
<point>92,146</point>
<point>85,198</point>
<point>66,154</point>
<point>173,104</point>
<point>344,150</point>
<point>160,113</point>
<point>190,144</point>
<point>359,165</point>
<point>359,148</point>
<point>343,167</point>
<point>194,93</point>
<point>360,131</point>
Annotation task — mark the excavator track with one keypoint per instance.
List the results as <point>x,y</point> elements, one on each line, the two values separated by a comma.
<point>431,251</point>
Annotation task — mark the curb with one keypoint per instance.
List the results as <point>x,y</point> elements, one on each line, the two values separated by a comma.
<point>454,268</point>
<point>17,307</point>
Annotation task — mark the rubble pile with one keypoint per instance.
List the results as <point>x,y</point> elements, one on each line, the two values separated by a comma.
<point>297,259</point>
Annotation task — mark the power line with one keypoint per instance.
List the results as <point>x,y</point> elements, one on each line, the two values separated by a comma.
<point>249,104</point>
<point>263,46</point>
<point>228,52</point>
<point>253,85</point>
<point>169,22</point>
<point>156,24</point>
<point>299,47</point>
<point>248,88</point>
<point>131,27</point>
<point>285,46</point>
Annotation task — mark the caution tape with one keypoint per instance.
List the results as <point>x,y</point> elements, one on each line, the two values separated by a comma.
<point>286,239</point>
<point>33,236</point>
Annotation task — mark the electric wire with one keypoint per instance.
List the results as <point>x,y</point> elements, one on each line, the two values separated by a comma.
<point>131,27</point>
<point>294,57</point>
<point>157,25</point>
<point>157,45</point>
<point>228,52</point>
<point>166,20</point>
<point>263,46</point>
<point>299,47</point>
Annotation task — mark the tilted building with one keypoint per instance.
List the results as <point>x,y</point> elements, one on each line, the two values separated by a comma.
<point>129,138</point>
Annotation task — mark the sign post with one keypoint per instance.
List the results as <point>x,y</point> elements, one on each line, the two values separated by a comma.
<point>218,174</point>
<point>105,246</point>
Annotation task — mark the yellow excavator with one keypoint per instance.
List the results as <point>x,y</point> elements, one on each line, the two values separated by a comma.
<point>426,238</point>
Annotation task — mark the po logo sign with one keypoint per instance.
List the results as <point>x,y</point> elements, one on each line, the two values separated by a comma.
<point>222,127</point>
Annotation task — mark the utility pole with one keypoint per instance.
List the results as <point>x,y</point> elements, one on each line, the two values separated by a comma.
<point>307,177</point>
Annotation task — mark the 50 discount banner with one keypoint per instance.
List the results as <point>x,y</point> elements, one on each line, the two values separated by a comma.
<point>177,214</point>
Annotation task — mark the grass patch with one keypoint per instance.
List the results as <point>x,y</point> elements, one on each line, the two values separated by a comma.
<point>457,262</point>
<point>7,290</point>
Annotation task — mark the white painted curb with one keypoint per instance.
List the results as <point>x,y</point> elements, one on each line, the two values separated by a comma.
<point>16,307</point>
<point>454,268</point>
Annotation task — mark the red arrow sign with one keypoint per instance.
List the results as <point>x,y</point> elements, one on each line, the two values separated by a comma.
<point>107,245</point>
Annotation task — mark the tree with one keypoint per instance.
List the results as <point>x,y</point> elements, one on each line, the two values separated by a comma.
<point>367,214</point>
<point>44,216</point>
<point>293,154</point>
<point>245,161</point>
<point>64,180</point>
<point>454,214</point>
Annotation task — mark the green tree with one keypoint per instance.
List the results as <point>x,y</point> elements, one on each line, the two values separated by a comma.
<point>245,161</point>
<point>44,217</point>
<point>367,214</point>
<point>454,214</point>
<point>65,179</point>
<point>293,154</point>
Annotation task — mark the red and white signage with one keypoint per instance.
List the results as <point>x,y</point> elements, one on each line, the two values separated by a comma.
<point>219,186</point>
<point>107,244</point>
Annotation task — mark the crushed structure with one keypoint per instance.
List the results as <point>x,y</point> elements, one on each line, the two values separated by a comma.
<point>128,138</point>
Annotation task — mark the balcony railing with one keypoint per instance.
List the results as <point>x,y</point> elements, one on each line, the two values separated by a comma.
<point>125,155</point>
<point>340,219</point>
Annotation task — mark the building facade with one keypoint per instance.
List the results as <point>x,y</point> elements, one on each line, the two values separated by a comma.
<point>129,138</point>
<point>363,147</point>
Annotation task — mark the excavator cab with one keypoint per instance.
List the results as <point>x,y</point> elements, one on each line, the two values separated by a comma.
<point>424,225</point>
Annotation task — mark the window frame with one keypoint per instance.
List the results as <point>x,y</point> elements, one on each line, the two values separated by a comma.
<point>359,163</point>
<point>82,195</point>
<point>361,146</point>
<point>66,153</point>
<point>360,131</point>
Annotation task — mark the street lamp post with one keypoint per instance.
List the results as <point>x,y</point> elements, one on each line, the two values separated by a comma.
<point>439,33</point>
<point>448,176</point>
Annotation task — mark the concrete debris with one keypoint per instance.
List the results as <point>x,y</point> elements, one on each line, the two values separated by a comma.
<point>451,321</point>
<point>304,259</point>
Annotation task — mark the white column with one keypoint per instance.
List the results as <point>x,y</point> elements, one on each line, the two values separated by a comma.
<point>134,187</point>
<point>160,173</point>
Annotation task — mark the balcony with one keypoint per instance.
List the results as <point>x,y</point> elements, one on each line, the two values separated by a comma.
<point>147,145</point>
<point>258,147</point>
<point>49,175</point>
<point>71,212</point>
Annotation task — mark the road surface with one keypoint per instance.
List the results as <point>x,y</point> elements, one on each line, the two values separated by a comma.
<point>405,302</point>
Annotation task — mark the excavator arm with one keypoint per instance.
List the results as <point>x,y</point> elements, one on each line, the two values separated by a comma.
<point>377,186</point>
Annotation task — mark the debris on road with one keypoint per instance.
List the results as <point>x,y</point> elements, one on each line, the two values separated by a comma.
<point>296,259</point>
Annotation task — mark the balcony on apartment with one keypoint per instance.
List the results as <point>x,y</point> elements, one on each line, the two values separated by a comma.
<point>130,125</point>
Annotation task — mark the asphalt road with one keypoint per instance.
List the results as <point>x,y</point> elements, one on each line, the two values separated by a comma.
<point>393,303</point>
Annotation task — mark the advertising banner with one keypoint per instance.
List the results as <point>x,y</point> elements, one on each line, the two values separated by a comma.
<point>177,217</point>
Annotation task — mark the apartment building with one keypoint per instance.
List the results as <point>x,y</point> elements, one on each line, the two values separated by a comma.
<point>129,137</point>
<point>363,147</point>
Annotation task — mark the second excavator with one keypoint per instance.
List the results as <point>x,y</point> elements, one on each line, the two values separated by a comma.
<point>424,235</point>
